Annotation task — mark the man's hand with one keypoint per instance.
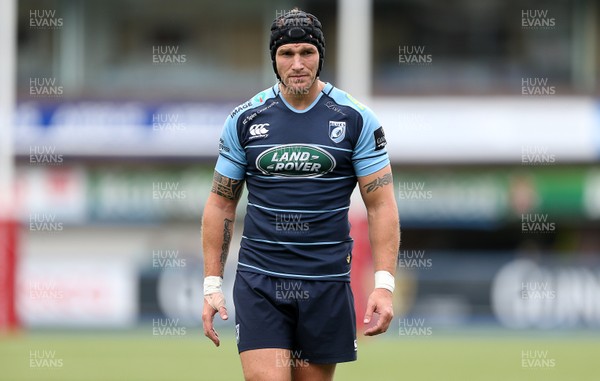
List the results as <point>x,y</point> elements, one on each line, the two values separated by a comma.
<point>380,302</point>
<point>213,303</point>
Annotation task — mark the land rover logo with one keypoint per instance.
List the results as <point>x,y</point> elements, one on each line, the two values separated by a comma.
<point>295,160</point>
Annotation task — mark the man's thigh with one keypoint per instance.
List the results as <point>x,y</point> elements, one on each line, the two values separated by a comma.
<point>313,372</point>
<point>279,364</point>
<point>265,364</point>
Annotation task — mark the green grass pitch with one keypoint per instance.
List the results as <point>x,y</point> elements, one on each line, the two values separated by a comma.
<point>138,355</point>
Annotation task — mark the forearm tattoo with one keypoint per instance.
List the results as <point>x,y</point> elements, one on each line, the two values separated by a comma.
<point>226,187</point>
<point>227,227</point>
<point>378,182</point>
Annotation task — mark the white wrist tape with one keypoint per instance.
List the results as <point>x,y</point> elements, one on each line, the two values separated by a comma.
<point>212,284</point>
<point>213,292</point>
<point>384,279</point>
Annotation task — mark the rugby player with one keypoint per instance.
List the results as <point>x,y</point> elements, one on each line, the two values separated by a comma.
<point>300,147</point>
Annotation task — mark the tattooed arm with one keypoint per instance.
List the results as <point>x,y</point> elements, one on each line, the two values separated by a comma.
<point>217,222</point>
<point>377,191</point>
<point>217,230</point>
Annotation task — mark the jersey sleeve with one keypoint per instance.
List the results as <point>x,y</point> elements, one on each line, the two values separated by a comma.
<point>232,157</point>
<point>370,155</point>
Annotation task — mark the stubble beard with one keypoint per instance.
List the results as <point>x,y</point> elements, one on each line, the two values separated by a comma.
<point>293,89</point>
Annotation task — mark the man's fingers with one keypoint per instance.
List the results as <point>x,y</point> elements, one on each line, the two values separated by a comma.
<point>209,330</point>
<point>382,325</point>
<point>380,304</point>
<point>223,313</point>
<point>208,315</point>
<point>216,301</point>
<point>213,336</point>
<point>377,328</point>
<point>372,331</point>
<point>369,312</point>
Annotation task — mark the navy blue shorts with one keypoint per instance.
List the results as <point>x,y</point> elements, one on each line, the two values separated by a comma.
<point>313,319</point>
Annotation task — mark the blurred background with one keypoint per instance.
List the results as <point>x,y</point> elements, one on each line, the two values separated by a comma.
<point>112,111</point>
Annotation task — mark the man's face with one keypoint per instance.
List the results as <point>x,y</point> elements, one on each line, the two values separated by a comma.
<point>297,65</point>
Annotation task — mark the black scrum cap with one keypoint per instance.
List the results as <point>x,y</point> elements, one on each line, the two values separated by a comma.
<point>297,26</point>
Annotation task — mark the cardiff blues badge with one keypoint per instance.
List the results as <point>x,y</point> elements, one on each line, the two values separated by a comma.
<point>337,131</point>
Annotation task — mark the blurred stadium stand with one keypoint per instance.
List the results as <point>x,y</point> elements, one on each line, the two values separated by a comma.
<point>490,109</point>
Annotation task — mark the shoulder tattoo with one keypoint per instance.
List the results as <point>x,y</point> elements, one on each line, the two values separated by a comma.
<point>226,187</point>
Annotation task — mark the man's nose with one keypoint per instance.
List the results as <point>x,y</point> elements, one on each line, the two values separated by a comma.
<point>297,63</point>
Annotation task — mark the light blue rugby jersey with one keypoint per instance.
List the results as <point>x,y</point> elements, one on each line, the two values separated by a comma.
<point>300,167</point>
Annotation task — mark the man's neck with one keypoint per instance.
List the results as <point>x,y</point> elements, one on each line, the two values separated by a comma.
<point>302,101</point>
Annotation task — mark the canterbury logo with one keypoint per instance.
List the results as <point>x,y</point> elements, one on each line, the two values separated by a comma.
<point>259,129</point>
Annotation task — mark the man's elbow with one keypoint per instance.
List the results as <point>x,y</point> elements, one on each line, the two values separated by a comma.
<point>222,203</point>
